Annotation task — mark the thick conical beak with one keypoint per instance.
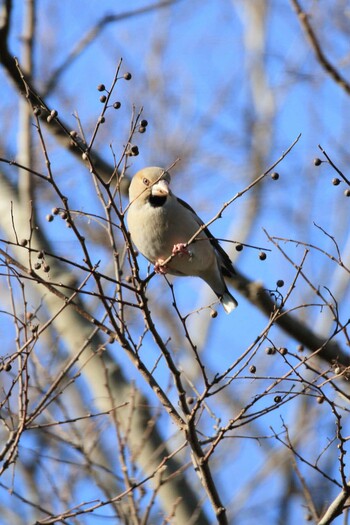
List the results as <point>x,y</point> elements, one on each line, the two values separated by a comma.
<point>160,188</point>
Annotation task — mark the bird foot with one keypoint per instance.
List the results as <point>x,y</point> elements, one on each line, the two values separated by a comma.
<point>160,267</point>
<point>181,249</point>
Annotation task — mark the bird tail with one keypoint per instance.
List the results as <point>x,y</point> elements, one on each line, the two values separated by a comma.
<point>228,302</point>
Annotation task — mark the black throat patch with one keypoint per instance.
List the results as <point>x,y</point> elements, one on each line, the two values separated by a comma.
<point>157,200</point>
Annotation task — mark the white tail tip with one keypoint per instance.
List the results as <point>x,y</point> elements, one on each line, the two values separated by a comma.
<point>228,302</point>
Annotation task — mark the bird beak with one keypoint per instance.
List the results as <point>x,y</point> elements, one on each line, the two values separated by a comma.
<point>160,188</point>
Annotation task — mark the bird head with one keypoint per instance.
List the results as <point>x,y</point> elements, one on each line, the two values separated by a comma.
<point>150,183</point>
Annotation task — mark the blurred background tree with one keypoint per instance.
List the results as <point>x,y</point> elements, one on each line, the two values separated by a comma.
<point>132,398</point>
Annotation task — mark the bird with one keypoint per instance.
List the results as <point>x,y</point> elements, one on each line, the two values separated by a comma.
<point>161,225</point>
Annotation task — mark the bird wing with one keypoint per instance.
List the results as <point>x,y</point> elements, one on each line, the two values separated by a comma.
<point>226,263</point>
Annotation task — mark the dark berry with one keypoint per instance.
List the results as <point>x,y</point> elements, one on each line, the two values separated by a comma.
<point>133,151</point>
<point>101,87</point>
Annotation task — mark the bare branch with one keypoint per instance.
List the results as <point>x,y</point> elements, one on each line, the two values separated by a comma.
<point>320,55</point>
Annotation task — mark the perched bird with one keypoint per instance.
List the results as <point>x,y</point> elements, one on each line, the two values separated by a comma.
<point>161,225</point>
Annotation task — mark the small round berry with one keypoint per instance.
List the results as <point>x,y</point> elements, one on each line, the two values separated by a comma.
<point>128,279</point>
<point>127,76</point>
<point>55,211</point>
<point>252,369</point>
<point>275,175</point>
<point>73,133</point>
<point>190,400</point>
<point>49,217</point>
<point>335,181</point>
<point>84,156</point>
<point>46,268</point>
<point>239,247</point>
<point>49,118</point>
<point>144,123</point>
<point>101,120</point>
<point>53,113</point>
<point>213,314</point>
<point>142,129</point>
<point>277,399</point>
<point>103,98</point>
<point>320,400</point>
<point>7,367</point>
<point>262,256</point>
<point>64,215</point>
<point>101,87</point>
<point>134,151</point>
<point>37,266</point>
<point>300,348</point>
<point>37,111</point>
<point>283,350</point>
<point>317,162</point>
<point>116,105</point>
<point>347,193</point>
<point>280,283</point>
<point>270,350</point>
<point>23,242</point>
<point>40,255</point>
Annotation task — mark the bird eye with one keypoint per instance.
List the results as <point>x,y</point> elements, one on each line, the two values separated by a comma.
<point>146,182</point>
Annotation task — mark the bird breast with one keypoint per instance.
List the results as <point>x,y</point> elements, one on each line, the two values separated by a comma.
<point>155,231</point>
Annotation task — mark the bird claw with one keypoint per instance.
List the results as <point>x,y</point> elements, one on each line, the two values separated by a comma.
<point>181,249</point>
<point>160,267</point>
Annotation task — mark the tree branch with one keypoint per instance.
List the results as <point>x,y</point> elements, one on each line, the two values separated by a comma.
<point>321,57</point>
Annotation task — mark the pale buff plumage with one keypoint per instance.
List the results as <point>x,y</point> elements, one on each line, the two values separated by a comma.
<point>160,223</point>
